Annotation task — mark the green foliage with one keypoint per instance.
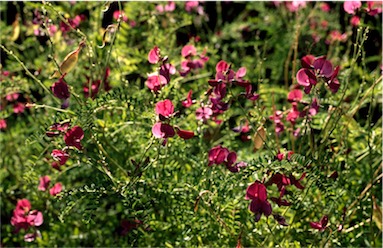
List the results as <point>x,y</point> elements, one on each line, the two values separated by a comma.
<point>128,188</point>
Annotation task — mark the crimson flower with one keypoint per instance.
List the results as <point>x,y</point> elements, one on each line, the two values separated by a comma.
<point>321,225</point>
<point>60,89</point>
<point>259,205</point>
<point>217,155</point>
<point>74,136</point>
<point>184,134</point>
<point>60,156</point>
<point>44,183</point>
<point>57,128</point>
<point>163,130</point>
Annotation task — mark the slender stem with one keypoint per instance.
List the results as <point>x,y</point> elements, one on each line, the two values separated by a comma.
<point>29,73</point>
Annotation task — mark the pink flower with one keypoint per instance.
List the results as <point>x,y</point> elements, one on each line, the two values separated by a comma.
<point>154,55</point>
<point>188,102</point>
<point>120,14</point>
<point>321,225</point>
<point>74,136</point>
<point>295,95</point>
<point>162,130</point>
<point>12,97</point>
<point>169,7</point>
<point>3,124</point>
<point>294,6</point>
<point>352,6</point>
<point>56,189</point>
<point>188,50</point>
<point>325,7</point>
<point>60,156</point>
<point>44,183</point>
<point>165,108</point>
<point>156,82</point>
<point>23,217</point>
<point>355,21</point>
<point>190,5</point>
<point>18,108</point>
<point>204,113</point>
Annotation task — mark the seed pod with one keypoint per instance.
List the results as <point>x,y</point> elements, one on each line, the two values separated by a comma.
<point>15,29</point>
<point>259,138</point>
<point>69,62</point>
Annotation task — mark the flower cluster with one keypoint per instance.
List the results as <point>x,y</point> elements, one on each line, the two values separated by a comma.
<point>157,80</point>
<point>225,77</point>
<point>221,155</point>
<point>44,185</point>
<point>352,7</point>
<point>190,63</point>
<point>282,181</point>
<point>25,218</point>
<point>162,129</point>
<point>72,138</point>
<point>315,69</point>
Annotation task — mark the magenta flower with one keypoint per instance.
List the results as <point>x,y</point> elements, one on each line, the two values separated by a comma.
<point>163,130</point>
<point>352,6</point>
<point>156,82</point>
<point>166,70</point>
<point>60,89</point>
<point>60,156</point>
<point>12,97</point>
<point>294,114</point>
<point>165,108</point>
<point>74,136</point>
<point>169,7</point>
<point>56,189</point>
<point>217,155</point>
<point>57,129</point>
<point>374,7</point>
<point>321,225</point>
<point>306,78</point>
<point>44,183</point>
<point>355,21</point>
<point>188,102</point>
<point>154,55</point>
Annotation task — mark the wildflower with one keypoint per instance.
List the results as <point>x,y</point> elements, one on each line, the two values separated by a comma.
<point>56,189</point>
<point>218,155</point>
<point>204,113</point>
<point>295,95</point>
<point>164,108</point>
<point>60,89</point>
<point>168,7</point>
<point>355,21</point>
<point>325,7</point>
<point>259,205</point>
<point>44,183</point>
<point>18,108</point>
<point>188,102</point>
<point>188,50</point>
<point>74,136</point>
<point>156,82</point>
<point>163,130</point>
<point>23,217</point>
<point>57,129</point>
<point>351,7</point>
<point>166,70</point>
<point>120,14</point>
<point>3,124</point>
<point>12,97</point>
<point>154,55</point>
<point>60,156</point>
<point>321,225</point>
<point>374,8</point>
